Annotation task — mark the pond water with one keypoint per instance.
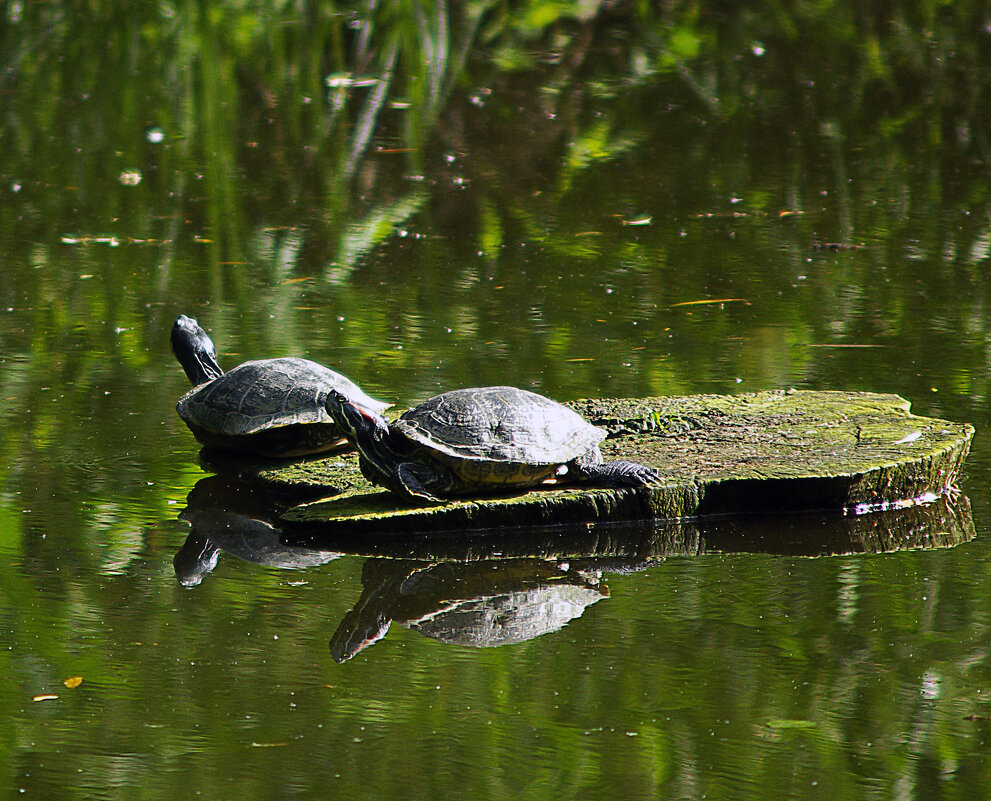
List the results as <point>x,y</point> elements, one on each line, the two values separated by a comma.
<point>588,199</point>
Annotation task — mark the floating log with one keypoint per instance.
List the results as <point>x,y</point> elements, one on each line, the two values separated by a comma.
<point>767,452</point>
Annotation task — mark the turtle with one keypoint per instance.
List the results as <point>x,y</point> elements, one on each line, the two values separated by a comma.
<point>268,407</point>
<point>480,440</point>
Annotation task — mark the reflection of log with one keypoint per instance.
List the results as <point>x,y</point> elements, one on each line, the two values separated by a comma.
<point>513,585</point>
<point>718,455</point>
<point>631,546</point>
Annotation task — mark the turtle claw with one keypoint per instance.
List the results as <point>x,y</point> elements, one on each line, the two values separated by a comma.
<point>635,474</point>
<point>621,473</point>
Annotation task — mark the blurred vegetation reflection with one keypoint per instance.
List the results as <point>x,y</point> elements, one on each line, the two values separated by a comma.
<point>430,194</point>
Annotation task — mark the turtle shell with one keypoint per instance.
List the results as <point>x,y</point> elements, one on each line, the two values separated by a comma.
<point>498,425</point>
<point>272,407</point>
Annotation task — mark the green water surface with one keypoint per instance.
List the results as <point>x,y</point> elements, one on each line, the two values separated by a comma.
<point>581,198</point>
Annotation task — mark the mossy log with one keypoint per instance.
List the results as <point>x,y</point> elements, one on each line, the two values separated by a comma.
<point>767,452</point>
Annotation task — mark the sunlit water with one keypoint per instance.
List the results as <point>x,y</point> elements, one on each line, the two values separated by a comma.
<point>552,228</point>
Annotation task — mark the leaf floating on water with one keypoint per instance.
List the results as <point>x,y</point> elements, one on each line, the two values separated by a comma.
<point>841,345</point>
<point>639,221</point>
<point>710,302</point>
<point>345,80</point>
<point>834,247</point>
<point>787,723</point>
<point>296,280</point>
<point>45,697</point>
<point>113,241</point>
<point>73,681</point>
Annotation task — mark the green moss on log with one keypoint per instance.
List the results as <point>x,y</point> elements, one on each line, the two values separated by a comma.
<point>782,451</point>
<point>290,482</point>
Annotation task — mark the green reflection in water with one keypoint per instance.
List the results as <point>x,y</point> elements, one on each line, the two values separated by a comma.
<point>430,196</point>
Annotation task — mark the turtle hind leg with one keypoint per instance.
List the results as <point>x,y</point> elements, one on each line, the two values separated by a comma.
<point>590,469</point>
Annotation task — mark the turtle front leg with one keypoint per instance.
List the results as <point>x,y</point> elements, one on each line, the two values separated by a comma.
<point>590,469</point>
<point>434,483</point>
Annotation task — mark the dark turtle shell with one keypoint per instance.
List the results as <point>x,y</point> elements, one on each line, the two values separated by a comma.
<point>273,407</point>
<point>499,435</point>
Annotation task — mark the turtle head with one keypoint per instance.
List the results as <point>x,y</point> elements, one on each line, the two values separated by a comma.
<point>194,349</point>
<point>358,423</point>
<point>370,434</point>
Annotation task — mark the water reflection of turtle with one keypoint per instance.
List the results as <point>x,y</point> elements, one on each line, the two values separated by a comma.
<point>478,604</point>
<point>270,407</point>
<point>480,439</point>
<point>225,516</point>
